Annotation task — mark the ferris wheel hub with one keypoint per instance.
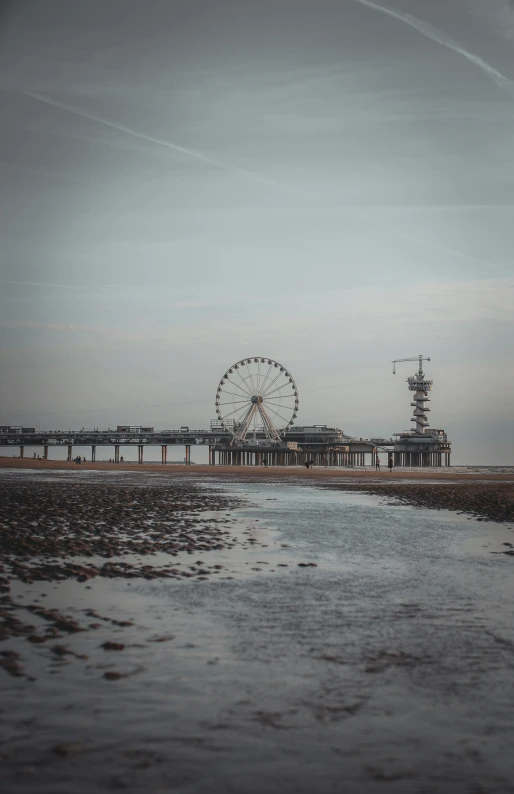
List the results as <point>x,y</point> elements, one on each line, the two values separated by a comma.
<point>256,399</point>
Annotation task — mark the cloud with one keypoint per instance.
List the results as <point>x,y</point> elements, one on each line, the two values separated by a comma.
<point>431,302</point>
<point>86,287</point>
<point>497,14</point>
<point>52,174</point>
<point>46,333</point>
<point>433,33</point>
<point>254,176</point>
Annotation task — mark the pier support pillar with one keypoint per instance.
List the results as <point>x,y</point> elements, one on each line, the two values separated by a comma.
<point>93,454</point>
<point>70,453</point>
<point>164,454</point>
<point>45,452</point>
<point>22,452</point>
<point>188,454</point>
<point>117,453</point>
<point>140,449</point>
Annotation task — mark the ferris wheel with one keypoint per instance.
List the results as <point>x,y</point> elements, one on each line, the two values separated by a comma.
<point>255,396</point>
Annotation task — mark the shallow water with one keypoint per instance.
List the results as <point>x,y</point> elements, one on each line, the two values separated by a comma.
<point>389,666</point>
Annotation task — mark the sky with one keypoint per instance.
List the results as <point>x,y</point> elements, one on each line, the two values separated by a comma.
<point>328,183</point>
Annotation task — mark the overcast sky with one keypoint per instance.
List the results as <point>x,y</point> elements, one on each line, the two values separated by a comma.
<point>326,182</point>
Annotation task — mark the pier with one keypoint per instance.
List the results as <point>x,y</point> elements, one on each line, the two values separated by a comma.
<point>257,403</point>
<point>325,446</point>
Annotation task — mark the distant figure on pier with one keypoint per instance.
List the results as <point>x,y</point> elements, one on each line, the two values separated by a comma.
<point>35,455</point>
<point>121,459</point>
<point>390,463</point>
<point>377,464</point>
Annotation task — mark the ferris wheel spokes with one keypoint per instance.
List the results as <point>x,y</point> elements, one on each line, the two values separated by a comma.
<point>258,376</point>
<point>244,425</point>
<point>247,390</point>
<point>254,390</point>
<point>269,427</point>
<point>268,393</point>
<point>226,379</point>
<point>277,414</point>
<point>234,394</point>
<point>237,410</point>
<point>265,379</point>
<point>263,393</point>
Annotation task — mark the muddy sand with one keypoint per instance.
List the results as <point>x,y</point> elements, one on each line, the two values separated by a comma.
<point>55,530</point>
<point>130,661</point>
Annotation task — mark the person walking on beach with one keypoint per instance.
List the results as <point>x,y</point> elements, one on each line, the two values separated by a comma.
<point>390,463</point>
<point>377,464</point>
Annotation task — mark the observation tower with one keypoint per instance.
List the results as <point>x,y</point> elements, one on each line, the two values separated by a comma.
<point>420,446</point>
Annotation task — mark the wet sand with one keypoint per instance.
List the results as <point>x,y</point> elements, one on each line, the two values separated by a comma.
<point>135,657</point>
<point>485,501</point>
<point>258,473</point>
<point>482,495</point>
<point>55,529</point>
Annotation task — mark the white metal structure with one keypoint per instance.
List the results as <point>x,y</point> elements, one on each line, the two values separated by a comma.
<point>257,395</point>
<point>421,386</point>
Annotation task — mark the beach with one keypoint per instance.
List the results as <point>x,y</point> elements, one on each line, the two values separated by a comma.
<point>231,629</point>
<point>482,493</point>
<point>198,470</point>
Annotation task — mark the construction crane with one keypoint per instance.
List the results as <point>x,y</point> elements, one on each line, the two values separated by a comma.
<point>415,358</point>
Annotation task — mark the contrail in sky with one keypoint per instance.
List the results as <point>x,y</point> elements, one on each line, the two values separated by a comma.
<point>442,38</point>
<point>121,127</point>
<point>161,142</point>
<point>256,177</point>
